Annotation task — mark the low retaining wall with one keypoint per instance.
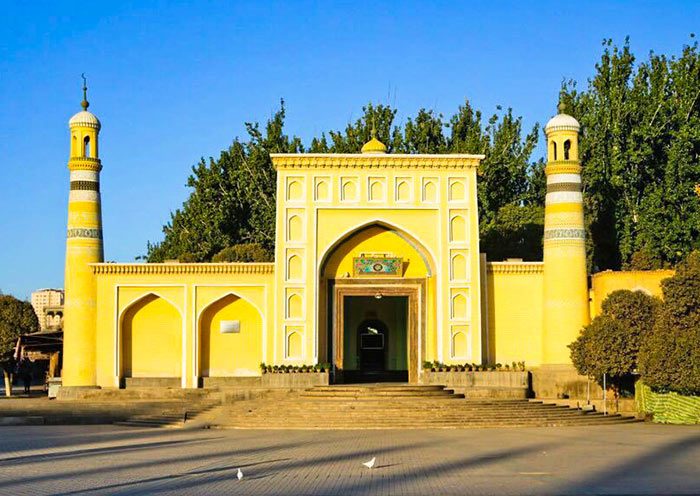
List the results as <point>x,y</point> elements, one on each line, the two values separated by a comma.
<point>295,380</point>
<point>563,382</point>
<point>487,384</point>
<point>667,408</point>
<point>273,380</point>
<point>283,380</point>
<point>162,382</point>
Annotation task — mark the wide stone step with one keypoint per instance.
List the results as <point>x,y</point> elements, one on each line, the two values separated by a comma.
<point>383,396</point>
<point>455,418</point>
<point>148,423</point>
<point>429,425</point>
<point>381,406</point>
<point>169,419</point>
<point>419,401</point>
<point>389,422</point>
<point>380,415</point>
<point>374,388</point>
<point>394,407</point>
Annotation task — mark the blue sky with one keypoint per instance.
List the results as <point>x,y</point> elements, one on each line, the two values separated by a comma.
<point>175,81</point>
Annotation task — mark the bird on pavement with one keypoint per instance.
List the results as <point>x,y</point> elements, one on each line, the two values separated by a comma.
<point>370,463</point>
<point>239,474</point>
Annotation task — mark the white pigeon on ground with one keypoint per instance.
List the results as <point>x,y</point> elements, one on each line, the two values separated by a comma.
<point>239,474</point>
<point>370,463</point>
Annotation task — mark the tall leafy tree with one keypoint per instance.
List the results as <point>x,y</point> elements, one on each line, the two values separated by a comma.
<point>232,200</point>
<point>233,197</point>
<point>639,146</point>
<point>16,317</point>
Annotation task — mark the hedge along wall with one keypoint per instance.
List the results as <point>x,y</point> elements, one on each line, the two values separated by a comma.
<point>667,408</point>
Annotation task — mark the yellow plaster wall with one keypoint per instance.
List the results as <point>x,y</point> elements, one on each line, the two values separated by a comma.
<point>513,308</point>
<point>152,339</point>
<point>604,283</point>
<point>190,288</point>
<point>237,354</point>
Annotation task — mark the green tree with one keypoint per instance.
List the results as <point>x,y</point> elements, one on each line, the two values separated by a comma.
<point>515,231</point>
<point>640,147</point>
<point>611,343</point>
<point>232,199</point>
<point>16,317</point>
<point>504,174</point>
<point>670,357</point>
<point>246,253</point>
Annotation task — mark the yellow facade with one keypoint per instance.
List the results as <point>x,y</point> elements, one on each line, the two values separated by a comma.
<point>179,308</point>
<point>419,208</point>
<point>366,237</point>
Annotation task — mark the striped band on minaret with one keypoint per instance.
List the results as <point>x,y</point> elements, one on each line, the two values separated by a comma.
<point>563,206</point>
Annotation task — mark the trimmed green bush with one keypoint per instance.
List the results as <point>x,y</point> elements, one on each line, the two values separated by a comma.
<point>670,357</point>
<point>611,343</point>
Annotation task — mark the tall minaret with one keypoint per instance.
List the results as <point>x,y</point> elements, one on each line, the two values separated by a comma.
<point>566,308</point>
<point>83,246</point>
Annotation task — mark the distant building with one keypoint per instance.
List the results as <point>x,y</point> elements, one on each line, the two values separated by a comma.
<point>48,305</point>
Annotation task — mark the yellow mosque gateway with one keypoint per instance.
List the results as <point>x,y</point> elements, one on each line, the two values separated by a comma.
<point>377,269</point>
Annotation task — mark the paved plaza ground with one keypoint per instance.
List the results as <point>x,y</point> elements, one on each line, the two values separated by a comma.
<point>97,460</point>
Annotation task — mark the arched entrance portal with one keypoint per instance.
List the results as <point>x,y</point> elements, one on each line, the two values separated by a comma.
<point>376,285</point>
<point>376,348</point>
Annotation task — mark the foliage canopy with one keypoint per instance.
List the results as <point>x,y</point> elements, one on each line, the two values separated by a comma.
<point>640,147</point>
<point>670,356</point>
<point>611,343</point>
<point>233,198</point>
<point>16,317</point>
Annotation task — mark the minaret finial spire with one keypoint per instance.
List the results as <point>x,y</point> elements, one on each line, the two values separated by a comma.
<point>561,107</point>
<point>85,104</point>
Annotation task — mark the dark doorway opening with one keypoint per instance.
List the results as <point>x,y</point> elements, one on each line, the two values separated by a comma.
<point>375,339</point>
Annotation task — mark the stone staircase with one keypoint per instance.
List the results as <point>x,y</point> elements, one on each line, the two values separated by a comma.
<point>394,406</point>
<point>173,418</point>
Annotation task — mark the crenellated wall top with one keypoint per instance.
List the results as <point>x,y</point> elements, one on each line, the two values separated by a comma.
<point>183,268</point>
<point>515,267</point>
<point>356,160</point>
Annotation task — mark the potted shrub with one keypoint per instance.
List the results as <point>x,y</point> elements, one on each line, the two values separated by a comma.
<point>263,368</point>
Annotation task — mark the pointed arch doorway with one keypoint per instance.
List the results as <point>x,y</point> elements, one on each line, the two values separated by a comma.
<point>395,305</point>
<point>377,329</point>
